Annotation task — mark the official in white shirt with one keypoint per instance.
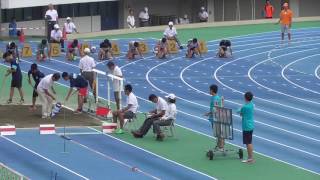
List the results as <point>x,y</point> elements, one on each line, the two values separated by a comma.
<point>203,15</point>
<point>130,20</point>
<point>46,98</point>
<point>51,17</point>
<point>69,26</point>
<point>170,33</point>
<point>86,65</point>
<point>144,17</point>
<point>168,118</point>
<point>154,115</point>
<point>127,112</point>
<point>117,85</point>
<point>56,36</point>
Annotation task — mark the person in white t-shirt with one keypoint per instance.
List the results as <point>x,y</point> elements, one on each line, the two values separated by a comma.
<point>51,17</point>
<point>168,118</point>
<point>203,15</point>
<point>130,20</point>
<point>170,33</point>
<point>127,112</point>
<point>46,98</point>
<point>56,36</point>
<point>144,17</point>
<point>117,85</point>
<point>154,115</point>
<point>69,26</point>
<point>184,20</point>
<point>86,66</point>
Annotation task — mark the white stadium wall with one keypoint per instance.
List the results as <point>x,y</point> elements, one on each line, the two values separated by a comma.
<point>10,4</point>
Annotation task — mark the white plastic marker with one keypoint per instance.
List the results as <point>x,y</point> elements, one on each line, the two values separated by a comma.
<point>8,130</point>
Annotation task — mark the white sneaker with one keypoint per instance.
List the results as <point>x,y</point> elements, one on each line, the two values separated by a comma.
<point>249,161</point>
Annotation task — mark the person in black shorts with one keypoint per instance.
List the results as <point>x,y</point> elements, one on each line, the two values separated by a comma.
<point>15,71</point>
<point>105,50</point>
<point>36,76</point>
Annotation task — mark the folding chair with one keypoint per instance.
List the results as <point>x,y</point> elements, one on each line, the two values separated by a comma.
<point>131,124</point>
<point>169,130</point>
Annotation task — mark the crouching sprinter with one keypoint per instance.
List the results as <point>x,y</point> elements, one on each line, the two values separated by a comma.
<point>79,82</point>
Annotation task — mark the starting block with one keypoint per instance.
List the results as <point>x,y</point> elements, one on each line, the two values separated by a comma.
<point>173,49</point>
<point>203,47</point>
<point>26,50</point>
<point>108,128</point>
<point>47,129</point>
<point>9,130</point>
<point>143,47</point>
<point>83,46</point>
<point>54,50</point>
<point>115,48</point>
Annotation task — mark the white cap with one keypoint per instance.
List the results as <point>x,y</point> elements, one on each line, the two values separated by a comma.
<point>146,9</point>
<point>68,18</point>
<point>56,26</point>
<point>170,23</point>
<point>185,16</point>
<point>202,8</point>
<point>86,50</point>
<point>171,96</point>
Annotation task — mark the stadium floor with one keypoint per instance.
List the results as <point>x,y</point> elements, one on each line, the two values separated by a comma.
<point>284,79</point>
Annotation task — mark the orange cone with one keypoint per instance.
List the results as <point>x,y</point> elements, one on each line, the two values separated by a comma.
<point>22,37</point>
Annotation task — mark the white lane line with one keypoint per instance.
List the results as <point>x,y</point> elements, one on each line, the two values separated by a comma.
<point>262,99</point>
<point>45,158</point>
<point>132,168</point>
<point>276,91</point>
<point>156,155</point>
<point>317,72</point>
<point>148,80</point>
<point>288,65</point>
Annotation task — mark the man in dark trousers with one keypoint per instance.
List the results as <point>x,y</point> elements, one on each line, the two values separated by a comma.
<point>51,17</point>
<point>37,76</point>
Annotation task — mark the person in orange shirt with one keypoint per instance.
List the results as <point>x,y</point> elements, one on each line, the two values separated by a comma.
<point>286,21</point>
<point>268,10</point>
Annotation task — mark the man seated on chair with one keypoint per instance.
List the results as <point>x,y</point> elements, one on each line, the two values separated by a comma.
<point>170,33</point>
<point>167,119</point>
<point>154,115</point>
<point>56,36</point>
<point>129,111</point>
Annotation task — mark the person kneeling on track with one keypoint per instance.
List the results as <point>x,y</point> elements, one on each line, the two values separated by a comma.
<point>193,48</point>
<point>41,55</point>
<point>105,51</point>
<point>225,50</point>
<point>12,48</point>
<point>79,82</point>
<point>134,50</point>
<point>161,50</point>
<point>72,48</point>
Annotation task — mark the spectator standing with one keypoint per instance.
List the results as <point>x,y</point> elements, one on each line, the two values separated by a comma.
<point>52,18</point>
<point>268,10</point>
<point>69,26</point>
<point>203,15</point>
<point>144,17</point>
<point>13,28</point>
<point>130,20</point>
<point>184,20</point>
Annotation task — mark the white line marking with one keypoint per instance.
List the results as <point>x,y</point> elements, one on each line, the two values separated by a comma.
<point>43,157</point>
<point>288,65</point>
<point>317,72</point>
<point>161,157</point>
